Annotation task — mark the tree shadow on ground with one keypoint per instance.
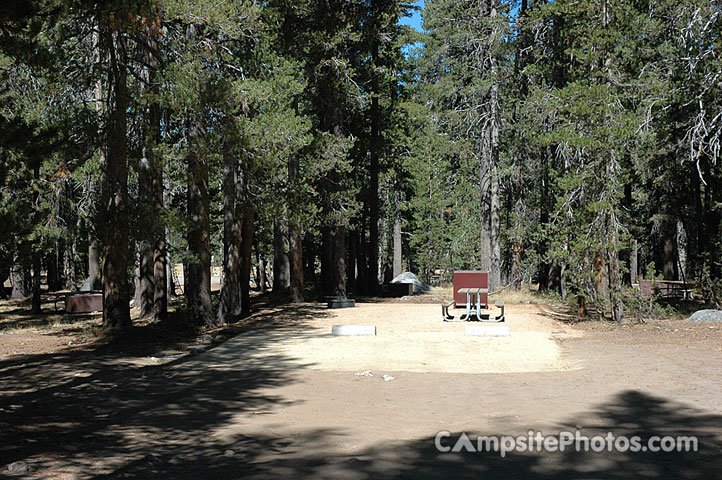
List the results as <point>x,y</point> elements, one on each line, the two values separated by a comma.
<point>312,455</point>
<point>61,410</point>
<point>88,413</point>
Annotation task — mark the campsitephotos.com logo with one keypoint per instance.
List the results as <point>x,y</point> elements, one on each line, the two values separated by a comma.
<point>565,441</point>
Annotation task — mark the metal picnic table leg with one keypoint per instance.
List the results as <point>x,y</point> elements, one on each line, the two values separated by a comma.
<point>478,306</point>
<point>468,308</point>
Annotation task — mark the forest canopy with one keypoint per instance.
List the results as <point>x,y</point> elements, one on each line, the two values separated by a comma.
<point>323,148</point>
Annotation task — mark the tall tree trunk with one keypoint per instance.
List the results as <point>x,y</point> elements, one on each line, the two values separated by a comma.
<point>4,275</point>
<point>19,279</point>
<point>169,267</point>
<point>36,258</point>
<point>295,245</point>
<point>351,262</point>
<point>485,211</point>
<point>696,226</point>
<point>136,278</point>
<point>281,262</point>
<point>37,264</point>
<point>246,251</point>
<point>54,273</point>
<point>94,279</point>
<point>397,260</point>
<point>363,270</point>
<point>170,282</point>
<point>495,232</point>
<point>69,254</point>
<point>373,251</point>
<point>147,222</point>
<point>160,256</point>
<point>296,258</point>
<point>261,267</point>
<point>384,269</point>
<point>157,237</point>
<point>327,274</point>
<point>233,219</point>
<point>612,181</point>
<point>682,249</point>
<point>198,279</point>
<point>374,153</point>
<point>543,246</point>
<point>339,261</point>
<point>494,220</point>
<point>114,192</point>
<point>309,262</point>
<point>146,266</point>
<point>516,274</point>
<point>669,251</point>
<point>634,263</point>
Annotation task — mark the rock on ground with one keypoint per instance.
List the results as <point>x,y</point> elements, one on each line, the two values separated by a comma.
<point>18,467</point>
<point>704,316</point>
<point>408,277</point>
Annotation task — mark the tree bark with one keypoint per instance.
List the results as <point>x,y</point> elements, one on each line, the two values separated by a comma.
<point>94,279</point>
<point>495,124</point>
<point>612,181</point>
<point>198,279</point>
<point>261,266</point>
<point>397,260</point>
<point>246,251</point>
<point>36,258</point>
<point>669,253</point>
<point>295,244</point>
<point>309,262</point>
<point>543,246</point>
<point>147,222</point>
<point>495,232</point>
<point>281,261</point>
<point>230,301</point>
<point>634,267</point>
<point>36,302</point>
<point>54,273</point>
<point>296,259</point>
<point>69,254</point>
<point>4,275</point>
<point>384,268</point>
<point>339,261</point>
<point>485,212</point>
<point>160,256</point>
<point>363,270</point>
<point>170,282</point>
<point>158,237</point>
<point>327,275</point>
<point>374,154</point>
<point>351,261</point>
<point>516,249</point>
<point>19,277</point>
<point>146,277</point>
<point>114,192</point>
<point>373,251</point>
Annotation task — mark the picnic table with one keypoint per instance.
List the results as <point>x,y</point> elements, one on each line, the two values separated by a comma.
<point>469,292</point>
<point>479,293</point>
<point>667,288</point>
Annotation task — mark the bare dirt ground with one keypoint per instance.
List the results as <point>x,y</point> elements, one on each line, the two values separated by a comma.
<point>280,398</point>
<point>409,338</point>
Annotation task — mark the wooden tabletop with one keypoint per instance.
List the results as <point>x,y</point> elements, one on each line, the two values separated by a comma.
<point>473,291</point>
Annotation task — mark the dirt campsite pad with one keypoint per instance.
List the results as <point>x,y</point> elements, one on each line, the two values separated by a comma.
<point>410,338</point>
<point>282,399</point>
